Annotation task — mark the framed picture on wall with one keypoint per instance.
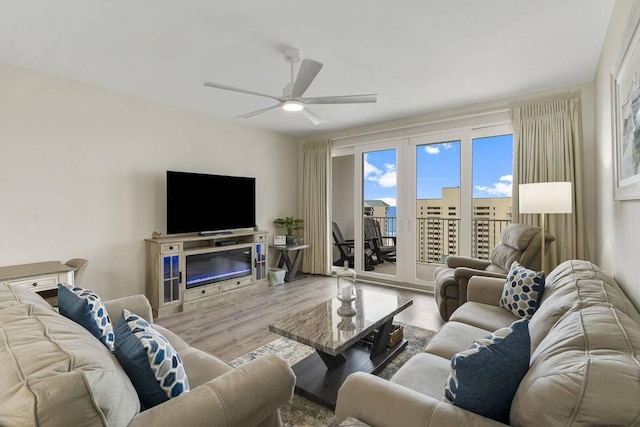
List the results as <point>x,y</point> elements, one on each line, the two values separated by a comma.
<point>625,98</point>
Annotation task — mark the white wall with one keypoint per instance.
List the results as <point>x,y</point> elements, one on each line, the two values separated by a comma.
<point>618,239</point>
<point>82,173</point>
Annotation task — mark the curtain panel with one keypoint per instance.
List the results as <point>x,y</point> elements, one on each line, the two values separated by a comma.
<point>547,139</point>
<point>316,182</point>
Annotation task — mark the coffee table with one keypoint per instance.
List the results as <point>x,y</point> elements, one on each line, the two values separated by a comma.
<point>337,339</point>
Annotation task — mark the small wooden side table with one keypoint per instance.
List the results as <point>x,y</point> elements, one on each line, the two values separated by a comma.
<point>40,277</point>
<point>285,260</point>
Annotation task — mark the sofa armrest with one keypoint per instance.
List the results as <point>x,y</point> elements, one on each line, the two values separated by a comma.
<point>487,290</point>
<point>463,261</point>
<point>381,403</point>
<point>468,273</point>
<point>138,304</point>
<point>242,397</point>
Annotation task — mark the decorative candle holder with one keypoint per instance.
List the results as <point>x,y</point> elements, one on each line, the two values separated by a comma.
<point>346,290</point>
<point>346,327</point>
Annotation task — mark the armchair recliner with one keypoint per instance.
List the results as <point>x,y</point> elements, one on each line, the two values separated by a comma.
<point>518,242</point>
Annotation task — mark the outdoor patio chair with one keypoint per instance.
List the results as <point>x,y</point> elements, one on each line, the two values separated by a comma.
<point>347,252</point>
<point>384,247</point>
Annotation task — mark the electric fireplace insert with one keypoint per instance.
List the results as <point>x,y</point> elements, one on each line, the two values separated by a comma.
<point>211,267</point>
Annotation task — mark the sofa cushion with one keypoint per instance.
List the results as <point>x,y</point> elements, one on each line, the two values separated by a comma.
<point>584,372</point>
<point>48,361</point>
<point>576,283</point>
<point>155,368</point>
<point>483,316</point>
<point>485,377</point>
<point>87,309</point>
<point>424,373</point>
<point>523,289</point>
<point>11,295</point>
<point>454,337</point>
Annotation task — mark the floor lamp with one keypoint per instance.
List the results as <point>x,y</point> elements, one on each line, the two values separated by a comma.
<point>545,198</point>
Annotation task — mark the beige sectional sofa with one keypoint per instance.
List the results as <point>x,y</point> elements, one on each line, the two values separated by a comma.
<point>53,372</point>
<point>584,365</point>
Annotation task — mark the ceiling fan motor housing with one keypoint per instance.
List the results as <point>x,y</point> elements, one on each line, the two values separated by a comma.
<point>286,91</point>
<point>292,55</point>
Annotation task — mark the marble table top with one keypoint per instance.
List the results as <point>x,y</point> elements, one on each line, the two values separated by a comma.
<point>324,329</point>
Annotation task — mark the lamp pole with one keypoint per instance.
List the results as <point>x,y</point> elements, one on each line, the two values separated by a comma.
<point>542,233</point>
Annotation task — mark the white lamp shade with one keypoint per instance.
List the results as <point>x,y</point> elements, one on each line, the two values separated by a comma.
<point>545,197</point>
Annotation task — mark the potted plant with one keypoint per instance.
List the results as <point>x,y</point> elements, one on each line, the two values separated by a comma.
<point>290,224</point>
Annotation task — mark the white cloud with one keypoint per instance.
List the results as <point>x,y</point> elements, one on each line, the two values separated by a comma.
<point>371,172</point>
<point>502,188</point>
<point>432,149</point>
<point>388,178</point>
<point>435,148</point>
<point>391,201</point>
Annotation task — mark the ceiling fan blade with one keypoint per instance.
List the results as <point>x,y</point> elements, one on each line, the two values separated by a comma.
<point>346,99</point>
<point>308,71</point>
<point>313,117</point>
<point>254,113</point>
<point>235,89</point>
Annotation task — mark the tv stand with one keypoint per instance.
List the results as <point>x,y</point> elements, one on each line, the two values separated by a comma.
<point>215,233</point>
<point>166,271</point>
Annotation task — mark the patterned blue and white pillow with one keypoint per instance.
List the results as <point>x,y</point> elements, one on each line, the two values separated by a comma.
<point>485,377</point>
<point>152,364</point>
<point>523,291</point>
<point>87,309</point>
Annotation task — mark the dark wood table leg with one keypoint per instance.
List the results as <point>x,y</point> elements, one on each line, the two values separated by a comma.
<point>293,272</point>
<point>320,375</point>
<point>330,361</point>
<point>381,339</point>
<point>284,260</point>
<point>292,267</point>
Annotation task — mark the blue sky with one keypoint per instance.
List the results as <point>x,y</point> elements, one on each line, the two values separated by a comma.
<point>438,166</point>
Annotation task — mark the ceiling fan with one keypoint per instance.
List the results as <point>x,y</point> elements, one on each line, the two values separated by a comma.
<point>291,99</point>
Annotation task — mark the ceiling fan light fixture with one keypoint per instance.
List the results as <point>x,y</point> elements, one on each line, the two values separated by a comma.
<point>292,105</point>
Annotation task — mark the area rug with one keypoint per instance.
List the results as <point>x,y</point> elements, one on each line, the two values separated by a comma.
<point>301,412</point>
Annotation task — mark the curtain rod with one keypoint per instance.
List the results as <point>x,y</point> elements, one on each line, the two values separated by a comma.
<point>432,122</point>
<point>549,98</point>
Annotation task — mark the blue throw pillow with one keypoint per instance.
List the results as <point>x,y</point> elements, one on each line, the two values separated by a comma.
<point>485,377</point>
<point>523,291</point>
<point>87,309</point>
<point>150,361</point>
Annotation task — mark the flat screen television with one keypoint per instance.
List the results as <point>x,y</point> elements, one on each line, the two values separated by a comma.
<point>203,203</point>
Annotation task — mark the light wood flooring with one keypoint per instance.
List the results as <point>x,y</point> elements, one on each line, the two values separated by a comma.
<point>238,323</point>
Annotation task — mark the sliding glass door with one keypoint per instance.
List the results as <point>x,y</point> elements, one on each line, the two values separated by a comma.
<point>462,195</point>
<point>419,200</point>
<point>377,172</point>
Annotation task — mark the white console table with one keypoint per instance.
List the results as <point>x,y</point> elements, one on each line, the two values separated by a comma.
<point>39,276</point>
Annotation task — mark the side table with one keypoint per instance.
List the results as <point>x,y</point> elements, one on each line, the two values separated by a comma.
<point>285,260</point>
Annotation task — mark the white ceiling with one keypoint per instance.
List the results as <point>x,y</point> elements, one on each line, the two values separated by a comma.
<point>418,55</point>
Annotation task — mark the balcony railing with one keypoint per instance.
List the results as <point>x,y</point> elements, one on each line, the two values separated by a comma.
<point>437,236</point>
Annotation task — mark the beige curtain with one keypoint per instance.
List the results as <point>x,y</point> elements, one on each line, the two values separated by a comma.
<point>316,182</point>
<point>547,139</point>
